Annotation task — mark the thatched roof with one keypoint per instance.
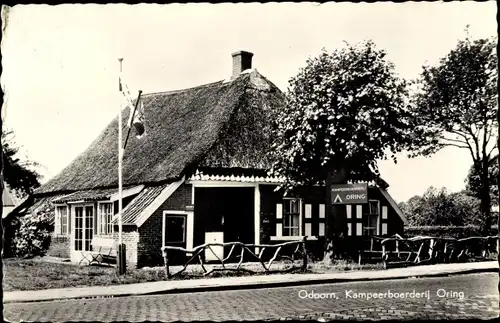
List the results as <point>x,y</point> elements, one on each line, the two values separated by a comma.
<point>102,194</point>
<point>133,210</point>
<point>222,124</point>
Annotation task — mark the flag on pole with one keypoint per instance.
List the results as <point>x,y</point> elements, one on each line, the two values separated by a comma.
<point>137,119</point>
<point>126,96</point>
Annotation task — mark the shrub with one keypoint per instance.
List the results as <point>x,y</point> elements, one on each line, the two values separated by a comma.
<point>11,225</point>
<point>439,207</point>
<point>32,238</point>
<point>457,232</point>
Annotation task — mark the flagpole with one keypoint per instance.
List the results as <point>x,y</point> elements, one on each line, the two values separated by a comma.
<point>121,253</point>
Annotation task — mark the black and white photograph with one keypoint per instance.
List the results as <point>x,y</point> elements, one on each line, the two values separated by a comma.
<point>250,162</point>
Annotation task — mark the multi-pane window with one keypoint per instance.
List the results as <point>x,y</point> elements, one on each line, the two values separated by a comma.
<point>105,218</point>
<point>371,218</point>
<point>291,217</point>
<point>89,227</point>
<point>62,220</point>
<point>78,228</point>
<point>84,228</point>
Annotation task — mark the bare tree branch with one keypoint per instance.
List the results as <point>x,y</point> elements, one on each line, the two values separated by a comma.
<point>469,146</point>
<point>475,131</point>
<point>454,140</point>
<point>460,133</point>
<point>489,136</point>
<point>458,146</point>
<point>492,149</point>
<point>476,144</point>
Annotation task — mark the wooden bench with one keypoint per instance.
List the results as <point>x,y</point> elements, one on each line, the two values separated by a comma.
<point>103,256</point>
<point>104,252</point>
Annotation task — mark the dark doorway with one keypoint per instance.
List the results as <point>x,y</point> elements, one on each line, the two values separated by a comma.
<point>224,209</point>
<point>175,236</point>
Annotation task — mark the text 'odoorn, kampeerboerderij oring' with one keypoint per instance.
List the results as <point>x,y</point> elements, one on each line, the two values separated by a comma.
<point>388,294</point>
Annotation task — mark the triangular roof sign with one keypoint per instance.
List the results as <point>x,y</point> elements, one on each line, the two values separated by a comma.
<point>337,198</point>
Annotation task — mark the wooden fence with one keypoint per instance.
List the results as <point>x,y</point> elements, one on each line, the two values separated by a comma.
<point>245,253</point>
<point>398,251</point>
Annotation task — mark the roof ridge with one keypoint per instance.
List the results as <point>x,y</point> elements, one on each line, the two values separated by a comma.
<point>186,89</point>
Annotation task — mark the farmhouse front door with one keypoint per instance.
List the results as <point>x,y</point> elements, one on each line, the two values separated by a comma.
<point>83,228</point>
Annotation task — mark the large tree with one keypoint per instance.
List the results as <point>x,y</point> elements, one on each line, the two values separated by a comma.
<point>345,110</point>
<point>455,105</point>
<point>19,174</point>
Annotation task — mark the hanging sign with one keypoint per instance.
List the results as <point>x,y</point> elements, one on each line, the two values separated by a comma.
<point>349,193</point>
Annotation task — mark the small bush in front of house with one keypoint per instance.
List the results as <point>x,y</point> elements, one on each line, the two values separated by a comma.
<point>33,236</point>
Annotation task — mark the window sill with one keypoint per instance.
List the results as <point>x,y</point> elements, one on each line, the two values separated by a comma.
<point>292,238</point>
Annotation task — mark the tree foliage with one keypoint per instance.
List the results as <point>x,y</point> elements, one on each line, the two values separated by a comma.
<point>473,180</point>
<point>438,207</point>
<point>455,105</point>
<point>348,108</point>
<point>18,174</point>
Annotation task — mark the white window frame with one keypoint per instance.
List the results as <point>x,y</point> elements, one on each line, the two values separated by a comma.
<point>368,214</point>
<point>58,226</point>
<point>299,214</point>
<point>109,230</point>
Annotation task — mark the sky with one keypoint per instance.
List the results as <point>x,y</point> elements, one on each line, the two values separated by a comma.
<point>60,63</point>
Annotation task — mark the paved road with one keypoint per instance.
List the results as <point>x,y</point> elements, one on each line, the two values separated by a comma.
<point>469,296</point>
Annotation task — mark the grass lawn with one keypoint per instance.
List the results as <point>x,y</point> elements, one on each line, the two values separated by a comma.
<point>35,275</point>
<point>22,274</point>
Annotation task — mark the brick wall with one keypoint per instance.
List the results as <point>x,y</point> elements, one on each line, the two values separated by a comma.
<point>59,247</point>
<point>149,246</point>
<point>130,237</point>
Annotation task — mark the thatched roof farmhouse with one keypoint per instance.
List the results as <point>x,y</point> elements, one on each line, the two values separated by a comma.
<point>198,175</point>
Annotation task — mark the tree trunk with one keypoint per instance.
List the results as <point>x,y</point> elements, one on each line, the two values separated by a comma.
<point>498,156</point>
<point>485,197</point>
<point>498,183</point>
<point>335,216</point>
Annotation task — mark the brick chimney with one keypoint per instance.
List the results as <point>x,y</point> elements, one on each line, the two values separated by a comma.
<point>242,60</point>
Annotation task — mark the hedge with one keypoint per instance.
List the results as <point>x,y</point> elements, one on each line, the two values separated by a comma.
<point>457,232</point>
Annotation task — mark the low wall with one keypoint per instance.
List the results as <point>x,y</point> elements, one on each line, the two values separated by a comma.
<point>59,247</point>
